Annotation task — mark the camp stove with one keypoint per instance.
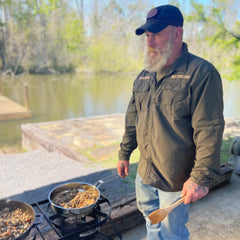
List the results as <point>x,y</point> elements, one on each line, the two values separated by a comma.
<point>53,226</point>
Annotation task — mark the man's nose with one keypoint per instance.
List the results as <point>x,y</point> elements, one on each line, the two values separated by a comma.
<point>151,41</point>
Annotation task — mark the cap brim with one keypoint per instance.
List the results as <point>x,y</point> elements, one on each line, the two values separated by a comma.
<point>153,27</point>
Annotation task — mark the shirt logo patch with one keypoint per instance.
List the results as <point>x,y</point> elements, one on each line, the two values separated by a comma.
<point>180,76</point>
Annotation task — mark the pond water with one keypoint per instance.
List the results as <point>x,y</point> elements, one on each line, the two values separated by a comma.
<point>60,97</point>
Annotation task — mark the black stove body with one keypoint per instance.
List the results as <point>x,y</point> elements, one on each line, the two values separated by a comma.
<point>52,226</point>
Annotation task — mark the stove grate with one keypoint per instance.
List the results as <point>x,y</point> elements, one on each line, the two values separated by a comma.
<point>55,227</point>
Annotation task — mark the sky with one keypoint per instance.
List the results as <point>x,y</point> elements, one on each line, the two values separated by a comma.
<point>161,2</point>
<point>89,4</point>
<point>185,3</point>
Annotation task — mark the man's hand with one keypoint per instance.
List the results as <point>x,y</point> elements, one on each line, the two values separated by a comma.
<point>193,191</point>
<point>123,168</point>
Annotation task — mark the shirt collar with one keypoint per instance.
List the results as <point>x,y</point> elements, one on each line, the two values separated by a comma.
<point>179,65</point>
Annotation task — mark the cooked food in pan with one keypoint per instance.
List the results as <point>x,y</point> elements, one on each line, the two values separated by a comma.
<point>13,223</point>
<point>76,199</point>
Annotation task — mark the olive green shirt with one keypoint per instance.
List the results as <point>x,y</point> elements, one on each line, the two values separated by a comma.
<point>175,118</point>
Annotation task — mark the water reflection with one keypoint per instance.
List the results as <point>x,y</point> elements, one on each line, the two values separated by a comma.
<point>60,97</point>
<point>66,96</point>
<point>231,92</point>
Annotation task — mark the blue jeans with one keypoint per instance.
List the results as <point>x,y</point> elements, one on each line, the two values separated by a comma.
<point>173,227</point>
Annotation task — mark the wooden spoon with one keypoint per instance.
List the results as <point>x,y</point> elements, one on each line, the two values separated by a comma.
<point>158,215</point>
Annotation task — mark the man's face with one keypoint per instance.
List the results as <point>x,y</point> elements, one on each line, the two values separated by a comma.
<point>159,49</point>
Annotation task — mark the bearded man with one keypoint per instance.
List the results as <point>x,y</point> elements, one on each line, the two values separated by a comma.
<point>175,118</point>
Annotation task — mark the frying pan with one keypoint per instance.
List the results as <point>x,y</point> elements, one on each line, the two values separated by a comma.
<point>81,187</point>
<point>13,205</point>
<point>64,189</point>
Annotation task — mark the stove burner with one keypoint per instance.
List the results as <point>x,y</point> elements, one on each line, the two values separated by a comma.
<point>84,225</point>
<point>54,226</point>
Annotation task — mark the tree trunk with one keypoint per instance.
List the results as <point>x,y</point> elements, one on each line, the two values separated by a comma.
<point>80,9</point>
<point>2,56</point>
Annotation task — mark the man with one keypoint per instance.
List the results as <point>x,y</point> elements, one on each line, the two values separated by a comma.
<point>175,118</point>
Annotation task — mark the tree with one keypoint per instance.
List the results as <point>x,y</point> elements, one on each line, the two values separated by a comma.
<point>113,46</point>
<point>13,41</point>
<point>3,34</point>
<point>40,34</point>
<point>220,26</point>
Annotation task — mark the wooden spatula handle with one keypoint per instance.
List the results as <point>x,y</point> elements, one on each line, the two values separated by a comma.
<point>180,201</point>
<point>158,215</point>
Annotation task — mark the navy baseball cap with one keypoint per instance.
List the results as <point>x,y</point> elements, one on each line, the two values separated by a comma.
<point>160,17</point>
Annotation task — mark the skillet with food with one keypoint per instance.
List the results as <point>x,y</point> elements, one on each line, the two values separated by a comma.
<point>16,219</point>
<point>76,198</point>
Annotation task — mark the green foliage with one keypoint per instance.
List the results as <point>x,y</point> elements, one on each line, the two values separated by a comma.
<point>235,66</point>
<point>199,14</point>
<point>109,56</point>
<point>222,31</point>
<point>44,7</point>
<point>73,33</point>
<point>55,34</point>
<point>225,150</point>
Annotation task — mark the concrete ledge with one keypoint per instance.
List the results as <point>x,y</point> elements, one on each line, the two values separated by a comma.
<point>74,136</point>
<point>34,138</point>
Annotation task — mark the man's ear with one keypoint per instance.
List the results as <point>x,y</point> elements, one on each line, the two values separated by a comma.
<point>178,34</point>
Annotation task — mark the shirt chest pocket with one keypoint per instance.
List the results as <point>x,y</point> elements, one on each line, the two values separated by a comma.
<point>173,100</point>
<point>141,92</point>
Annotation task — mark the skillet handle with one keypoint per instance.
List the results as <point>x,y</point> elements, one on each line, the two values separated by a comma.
<point>104,180</point>
<point>99,183</point>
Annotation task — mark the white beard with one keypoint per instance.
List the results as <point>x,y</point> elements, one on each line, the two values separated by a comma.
<point>156,63</point>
